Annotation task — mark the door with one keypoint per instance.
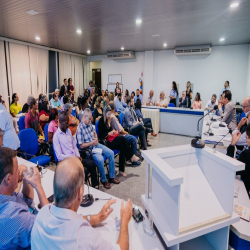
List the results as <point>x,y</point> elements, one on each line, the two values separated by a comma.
<point>97,77</point>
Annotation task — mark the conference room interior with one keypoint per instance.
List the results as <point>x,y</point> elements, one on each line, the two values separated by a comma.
<point>146,102</point>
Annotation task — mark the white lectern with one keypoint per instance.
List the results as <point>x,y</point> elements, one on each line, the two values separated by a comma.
<point>191,202</point>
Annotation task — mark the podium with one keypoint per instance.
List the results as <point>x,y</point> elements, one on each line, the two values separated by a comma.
<point>190,196</point>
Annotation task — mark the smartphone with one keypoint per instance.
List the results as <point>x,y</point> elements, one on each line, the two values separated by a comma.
<point>50,199</point>
<point>138,217</point>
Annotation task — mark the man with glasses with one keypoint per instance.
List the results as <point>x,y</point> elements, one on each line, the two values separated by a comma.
<point>246,108</point>
<point>87,138</point>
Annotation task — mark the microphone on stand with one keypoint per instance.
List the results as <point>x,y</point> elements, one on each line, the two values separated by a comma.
<point>34,156</point>
<point>197,142</point>
<point>214,147</point>
<point>87,199</point>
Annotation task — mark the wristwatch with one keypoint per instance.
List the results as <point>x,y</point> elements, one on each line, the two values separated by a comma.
<point>88,218</point>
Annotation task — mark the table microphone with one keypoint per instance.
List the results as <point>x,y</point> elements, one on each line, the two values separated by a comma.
<point>34,156</point>
<point>87,199</point>
<point>197,142</point>
<point>214,147</point>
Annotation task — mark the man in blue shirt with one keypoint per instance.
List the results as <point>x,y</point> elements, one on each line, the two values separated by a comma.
<point>138,96</point>
<point>120,106</point>
<point>16,219</point>
<point>55,103</point>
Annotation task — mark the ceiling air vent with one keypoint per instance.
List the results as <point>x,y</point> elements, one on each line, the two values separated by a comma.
<point>193,50</point>
<point>121,55</point>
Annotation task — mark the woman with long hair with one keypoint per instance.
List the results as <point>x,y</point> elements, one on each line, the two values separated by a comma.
<point>15,107</point>
<point>126,95</point>
<point>197,104</point>
<point>173,93</point>
<point>98,109</point>
<point>189,94</point>
<point>53,124</point>
<point>116,141</point>
<point>44,112</point>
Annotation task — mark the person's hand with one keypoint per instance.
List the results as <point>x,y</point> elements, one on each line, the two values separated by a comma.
<point>140,119</point>
<point>242,122</point>
<point>161,105</point>
<point>40,140</point>
<point>236,136</point>
<point>106,211</point>
<point>21,168</point>
<point>219,105</point>
<point>35,179</point>
<point>126,212</point>
<point>94,142</point>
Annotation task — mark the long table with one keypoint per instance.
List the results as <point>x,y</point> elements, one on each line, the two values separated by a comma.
<point>138,240</point>
<point>180,121</point>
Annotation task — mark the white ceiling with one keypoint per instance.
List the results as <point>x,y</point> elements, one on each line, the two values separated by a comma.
<point>108,25</point>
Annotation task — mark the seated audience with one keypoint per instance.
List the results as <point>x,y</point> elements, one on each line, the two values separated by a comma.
<point>115,125</point>
<point>246,109</point>
<point>65,147</point>
<point>65,101</point>
<point>53,124</point>
<point>189,94</point>
<point>229,114</point>
<point>111,96</point>
<point>151,100</point>
<point>120,106</point>
<point>58,226</point>
<point>44,113</point>
<point>103,93</point>
<point>105,100</point>
<point>71,89</point>
<point>132,94</point>
<point>16,219</point>
<point>1,137</point>
<point>162,102</point>
<point>98,109</point>
<point>64,88</point>
<point>87,138</point>
<point>131,123</point>
<point>40,101</point>
<point>15,107</point>
<point>226,87</point>
<point>182,100</point>
<point>25,108</point>
<point>146,121</point>
<point>173,93</point>
<point>126,95</point>
<point>90,86</point>
<point>10,138</point>
<point>94,97</point>
<point>211,103</point>
<point>95,89</point>
<point>83,106</point>
<point>116,141</point>
<point>244,157</point>
<point>117,89</point>
<point>32,117</point>
<point>73,122</point>
<point>197,104</point>
<point>55,102</point>
<point>138,96</point>
<point>106,92</point>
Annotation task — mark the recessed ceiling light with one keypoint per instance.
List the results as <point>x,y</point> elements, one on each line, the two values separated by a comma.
<point>155,35</point>
<point>138,21</point>
<point>37,38</point>
<point>233,5</point>
<point>122,48</point>
<point>222,39</point>
<point>164,44</point>
<point>78,31</point>
<point>88,51</point>
<point>32,12</point>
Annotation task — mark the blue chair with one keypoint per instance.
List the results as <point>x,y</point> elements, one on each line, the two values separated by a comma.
<point>30,146</point>
<point>21,123</point>
<point>20,112</point>
<point>242,115</point>
<point>171,105</point>
<point>73,112</point>
<point>56,160</point>
<point>46,132</point>
<point>121,118</point>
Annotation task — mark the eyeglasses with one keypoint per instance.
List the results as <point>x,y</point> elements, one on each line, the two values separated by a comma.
<point>88,117</point>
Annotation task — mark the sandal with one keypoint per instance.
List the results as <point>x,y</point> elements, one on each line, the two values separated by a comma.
<point>106,184</point>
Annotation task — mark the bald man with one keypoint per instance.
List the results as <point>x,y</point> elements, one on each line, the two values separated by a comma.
<point>58,226</point>
<point>151,100</point>
<point>246,108</point>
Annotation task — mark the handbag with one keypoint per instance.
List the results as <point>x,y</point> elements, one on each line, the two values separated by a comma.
<point>110,138</point>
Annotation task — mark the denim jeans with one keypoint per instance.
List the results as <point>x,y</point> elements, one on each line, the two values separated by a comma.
<point>131,140</point>
<point>100,162</point>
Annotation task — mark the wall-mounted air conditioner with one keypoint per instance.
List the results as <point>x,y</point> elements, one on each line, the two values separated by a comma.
<point>193,50</point>
<point>121,55</point>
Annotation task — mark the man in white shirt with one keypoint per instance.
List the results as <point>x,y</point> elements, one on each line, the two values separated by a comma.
<point>58,226</point>
<point>151,100</point>
<point>211,103</point>
<point>10,138</point>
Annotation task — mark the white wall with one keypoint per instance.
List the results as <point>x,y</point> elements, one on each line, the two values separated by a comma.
<point>207,73</point>
<point>94,65</point>
<point>248,75</point>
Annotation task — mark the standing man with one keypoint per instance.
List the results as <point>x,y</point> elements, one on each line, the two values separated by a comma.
<point>151,100</point>
<point>226,87</point>
<point>138,96</point>
<point>64,88</point>
<point>229,114</point>
<point>10,138</point>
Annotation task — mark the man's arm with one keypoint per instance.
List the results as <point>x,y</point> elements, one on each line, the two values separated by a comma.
<point>227,112</point>
<point>59,154</point>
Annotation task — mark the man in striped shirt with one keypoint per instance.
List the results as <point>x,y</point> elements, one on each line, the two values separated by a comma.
<point>16,218</point>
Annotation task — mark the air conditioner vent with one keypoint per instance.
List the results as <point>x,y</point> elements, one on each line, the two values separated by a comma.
<point>193,50</point>
<point>121,55</point>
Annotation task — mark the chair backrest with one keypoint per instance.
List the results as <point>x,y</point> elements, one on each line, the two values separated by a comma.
<point>56,160</point>
<point>242,115</point>
<point>20,112</point>
<point>121,118</point>
<point>28,141</point>
<point>171,105</point>
<point>96,128</point>
<point>21,123</point>
<point>46,132</point>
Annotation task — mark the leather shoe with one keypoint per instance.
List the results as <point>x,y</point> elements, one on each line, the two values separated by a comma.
<point>149,145</point>
<point>114,180</point>
<point>106,184</point>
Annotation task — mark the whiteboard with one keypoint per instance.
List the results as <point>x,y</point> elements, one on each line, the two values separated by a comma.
<point>114,78</point>
<point>111,88</point>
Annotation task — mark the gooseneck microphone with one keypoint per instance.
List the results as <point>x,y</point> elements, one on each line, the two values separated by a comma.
<point>197,142</point>
<point>229,132</point>
<point>87,199</point>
